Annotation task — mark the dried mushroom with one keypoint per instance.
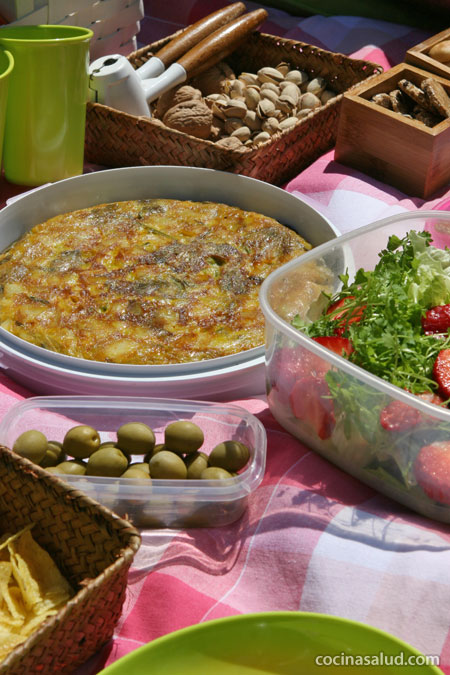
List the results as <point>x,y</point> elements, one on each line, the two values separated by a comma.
<point>428,103</point>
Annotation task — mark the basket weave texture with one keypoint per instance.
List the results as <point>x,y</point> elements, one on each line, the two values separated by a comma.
<point>114,138</point>
<point>93,549</point>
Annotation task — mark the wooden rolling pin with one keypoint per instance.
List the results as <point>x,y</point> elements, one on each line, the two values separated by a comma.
<point>190,37</point>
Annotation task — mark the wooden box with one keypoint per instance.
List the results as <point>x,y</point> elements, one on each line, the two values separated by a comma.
<point>418,55</point>
<point>392,148</point>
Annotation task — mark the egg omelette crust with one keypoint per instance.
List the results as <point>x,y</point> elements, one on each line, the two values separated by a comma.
<point>144,282</point>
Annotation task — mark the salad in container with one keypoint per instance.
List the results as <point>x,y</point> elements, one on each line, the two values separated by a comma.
<point>358,355</point>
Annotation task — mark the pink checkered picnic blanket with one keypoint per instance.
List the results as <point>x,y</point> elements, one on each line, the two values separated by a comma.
<point>313,538</point>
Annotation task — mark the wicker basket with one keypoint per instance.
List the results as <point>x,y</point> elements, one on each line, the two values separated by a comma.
<point>115,138</point>
<point>93,549</point>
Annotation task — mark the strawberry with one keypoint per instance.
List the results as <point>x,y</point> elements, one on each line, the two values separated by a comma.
<point>338,345</point>
<point>310,401</point>
<point>436,319</point>
<point>287,366</point>
<point>346,316</point>
<point>399,416</point>
<point>432,471</point>
<point>441,372</point>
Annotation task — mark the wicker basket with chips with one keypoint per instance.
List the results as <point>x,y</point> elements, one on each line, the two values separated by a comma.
<point>69,560</point>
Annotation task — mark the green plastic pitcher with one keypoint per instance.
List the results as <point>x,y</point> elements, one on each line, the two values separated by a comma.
<point>46,106</point>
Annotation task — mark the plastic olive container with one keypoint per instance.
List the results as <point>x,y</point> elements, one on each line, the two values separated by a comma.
<point>350,434</point>
<point>157,503</point>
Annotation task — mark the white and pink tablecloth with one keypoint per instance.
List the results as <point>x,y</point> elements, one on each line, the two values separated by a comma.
<point>313,538</point>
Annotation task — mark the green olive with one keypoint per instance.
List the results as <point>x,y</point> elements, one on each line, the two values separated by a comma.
<point>215,473</point>
<point>135,438</point>
<point>142,466</point>
<point>158,447</point>
<point>134,472</point>
<point>72,467</point>
<point>107,462</point>
<point>52,469</point>
<point>108,444</point>
<point>229,455</point>
<point>183,436</point>
<point>167,464</point>
<point>81,441</point>
<point>195,464</point>
<point>32,445</point>
<point>53,455</point>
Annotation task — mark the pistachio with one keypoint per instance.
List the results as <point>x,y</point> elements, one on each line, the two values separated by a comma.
<point>234,108</point>
<point>243,133</point>
<point>309,100</point>
<point>248,78</point>
<point>316,86</point>
<point>232,123</point>
<point>262,137</point>
<point>230,142</point>
<point>252,121</point>
<point>270,75</point>
<point>213,97</point>
<point>288,123</point>
<point>269,95</point>
<point>270,125</point>
<point>298,77</point>
<point>218,106</point>
<point>283,68</point>
<point>303,113</point>
<point>292,91</point>
<point>252,98</point>
<point>265,108</point>
<point>286,104</point>
<point>271,87</point>
<point>237,89</point>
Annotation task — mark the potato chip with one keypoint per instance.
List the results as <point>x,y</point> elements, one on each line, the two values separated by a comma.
<point>31,588</point>
<point>11,598</point>
<point>8,642</point>
<point>42,584</point>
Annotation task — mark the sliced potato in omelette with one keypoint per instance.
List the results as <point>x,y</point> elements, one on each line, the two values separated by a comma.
<point>154,281</point>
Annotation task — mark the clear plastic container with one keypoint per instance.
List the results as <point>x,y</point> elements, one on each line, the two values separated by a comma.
<point>161,503</point>
<point>344,425</point>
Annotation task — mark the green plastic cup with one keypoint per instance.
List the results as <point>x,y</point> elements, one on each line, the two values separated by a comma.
<point>46,106</point>
<point>6,67</point>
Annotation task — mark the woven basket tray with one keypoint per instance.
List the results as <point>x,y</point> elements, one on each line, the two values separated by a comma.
<point>115,138</point>
<point>93,549</point>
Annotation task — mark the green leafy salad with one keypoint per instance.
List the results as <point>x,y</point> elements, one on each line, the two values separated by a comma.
<point>394,322</point>
<point>388,304</point>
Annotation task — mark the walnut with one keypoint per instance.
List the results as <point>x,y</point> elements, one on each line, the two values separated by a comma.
<point>193,117</point>
<point>175,96</point>
<point>212,80</point>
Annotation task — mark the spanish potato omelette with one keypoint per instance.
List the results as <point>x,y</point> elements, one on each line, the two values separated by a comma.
<point>154,281</point>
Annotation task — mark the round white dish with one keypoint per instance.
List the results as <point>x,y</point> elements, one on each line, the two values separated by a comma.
<point>238,375</point>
